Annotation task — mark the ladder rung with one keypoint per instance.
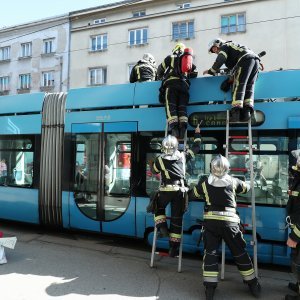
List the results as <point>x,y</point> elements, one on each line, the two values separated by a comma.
<point>238,153</point>
<point>238,136</point>
<point>239,169</point>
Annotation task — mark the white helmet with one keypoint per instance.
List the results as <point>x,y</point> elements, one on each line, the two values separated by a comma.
<point>215,42</point>
<point>296,154</point>
<point>219,166</point>
<point>149,57</point>
<point>169,145</point>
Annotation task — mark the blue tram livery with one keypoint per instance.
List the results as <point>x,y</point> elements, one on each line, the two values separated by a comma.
<point>80,160</point>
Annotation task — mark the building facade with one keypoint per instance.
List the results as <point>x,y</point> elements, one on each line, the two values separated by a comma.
<point>107,41</point>
<point>100,45</point>
<point>34,57</point>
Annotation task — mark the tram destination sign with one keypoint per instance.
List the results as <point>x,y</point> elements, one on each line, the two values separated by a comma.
<point>218,119</point>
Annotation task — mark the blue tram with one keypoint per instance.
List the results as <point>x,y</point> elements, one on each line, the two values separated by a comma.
<point>80,161</point>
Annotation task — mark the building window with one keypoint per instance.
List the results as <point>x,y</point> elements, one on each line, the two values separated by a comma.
<point>233,23</point>
<point>24,81</point>
<point>99,42</point>
<point>48,46</point>
<point>97,76</point>
<point>130,67</point>
<point>5,53</point>
<point>47,79</point>
<point>26,49</point>
<point>137,14</point>
<point>183,30</point>
<point>183,5</point>
<point>138,36</point>
<point>99,21</point>
<point>4,83</point>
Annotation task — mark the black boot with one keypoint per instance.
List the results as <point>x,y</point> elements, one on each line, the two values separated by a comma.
<point>182,131</point>
<point>174,250</point>
<point>163,232</point>
<point>235,114</point>
<point>175,132</point>
<point>254,287</point>
<point>209,292</point>
<point>290,297</point>
<point>294,287</point>
<point>246,113</point>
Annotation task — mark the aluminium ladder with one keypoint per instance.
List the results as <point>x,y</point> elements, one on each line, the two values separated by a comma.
<point>250,153</point>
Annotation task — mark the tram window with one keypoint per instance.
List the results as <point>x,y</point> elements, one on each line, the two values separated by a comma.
<point>16,162</point>
<point>262,144</point>
<point>15,144</point>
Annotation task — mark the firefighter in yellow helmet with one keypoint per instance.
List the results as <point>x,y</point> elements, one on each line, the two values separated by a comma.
<point>222,222</point>
<point>175,89</point>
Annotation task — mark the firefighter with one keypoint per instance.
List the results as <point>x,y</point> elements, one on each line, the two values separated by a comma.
<point>243,65</point>
<point>175,90</point>
<point>293,219</point>
<point>171,165</point>
<point>222,222</point>
<point>144,70</point>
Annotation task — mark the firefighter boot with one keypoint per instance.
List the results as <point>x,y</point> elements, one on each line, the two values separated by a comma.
<point>174,249</point>
<point>294,287</point>
<point>163,231</point>
<point>235,114</point>
<point>254,287</point>
<point>209,292</point>
<point>175,131</point>
<point>182,131</point>
<point>246,113</point>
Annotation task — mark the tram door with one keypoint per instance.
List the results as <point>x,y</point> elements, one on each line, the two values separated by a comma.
<point>102,179</point>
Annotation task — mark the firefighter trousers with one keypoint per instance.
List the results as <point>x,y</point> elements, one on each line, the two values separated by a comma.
<point>176,103</point>
<point>176,199</point>
<point>295,255</point>
<point>244,82</point>
<point>214,232</point>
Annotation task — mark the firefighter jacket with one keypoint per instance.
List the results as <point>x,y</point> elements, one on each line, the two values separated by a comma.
<point>169,71</point>
<point>143,71</point>
<point>293,206</point>
<point>172,168</point>
<point>231,54</point>
<point>220,201</point>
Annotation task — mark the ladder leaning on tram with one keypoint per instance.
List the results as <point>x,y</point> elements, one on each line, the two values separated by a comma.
<point>182,149</point>
<point>249,152</point>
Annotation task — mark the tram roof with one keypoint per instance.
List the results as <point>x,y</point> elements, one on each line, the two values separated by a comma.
<point>270,85</point>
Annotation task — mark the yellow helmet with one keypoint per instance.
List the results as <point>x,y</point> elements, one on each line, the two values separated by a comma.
<point>179,48</point>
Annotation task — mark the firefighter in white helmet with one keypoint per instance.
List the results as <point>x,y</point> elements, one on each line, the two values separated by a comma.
<point>144,70</point>
<point>244,66</point>
<point>222,222</point>
<point>171,166</point>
